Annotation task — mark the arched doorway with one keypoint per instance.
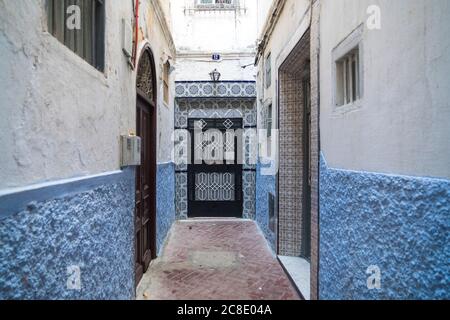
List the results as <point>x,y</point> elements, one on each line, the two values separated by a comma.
<point>145,210</point>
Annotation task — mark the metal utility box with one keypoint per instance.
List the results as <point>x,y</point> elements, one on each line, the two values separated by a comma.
<point>131,151</point>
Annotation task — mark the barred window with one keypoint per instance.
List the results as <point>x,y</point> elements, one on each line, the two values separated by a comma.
<point>216,4</point>
<point>269,121</point>
<point>268,72</point>
<point>347,78</point>
<point>80,26</point>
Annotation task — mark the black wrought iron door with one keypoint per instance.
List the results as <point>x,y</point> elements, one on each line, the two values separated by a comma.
<point>215,169</point>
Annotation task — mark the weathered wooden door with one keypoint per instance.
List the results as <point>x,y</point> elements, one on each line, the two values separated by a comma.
<point>145,216</point>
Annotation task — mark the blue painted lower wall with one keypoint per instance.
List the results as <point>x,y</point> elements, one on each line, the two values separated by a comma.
<point>87,223</point>
<point>165,201</point>
<point>265,184</point>
<point>400,224</point>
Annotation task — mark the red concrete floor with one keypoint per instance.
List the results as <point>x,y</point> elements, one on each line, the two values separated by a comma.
<point>216,260</point>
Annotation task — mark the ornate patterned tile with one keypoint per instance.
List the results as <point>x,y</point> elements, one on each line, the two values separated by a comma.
<point>249,189</point>
<point>181,193</point>
<point>209,100</point>
<point>215,89</point>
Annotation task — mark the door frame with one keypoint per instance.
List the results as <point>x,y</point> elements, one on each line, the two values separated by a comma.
<point>307,168</point>
<point>197,209</point>
<point>142,98</point>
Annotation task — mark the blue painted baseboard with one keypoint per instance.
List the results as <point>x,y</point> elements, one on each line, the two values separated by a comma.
<point>265,184</point>
<point>85,223</point>
<point>400,224</point>
<point>165,202</point>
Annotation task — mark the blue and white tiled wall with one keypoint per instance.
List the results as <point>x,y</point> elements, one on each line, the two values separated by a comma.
<point>265,186</point>
<point>208,89</point>
<point>205,99</point>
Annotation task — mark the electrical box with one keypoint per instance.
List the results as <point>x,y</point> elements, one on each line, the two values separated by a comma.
<point>131,151</point>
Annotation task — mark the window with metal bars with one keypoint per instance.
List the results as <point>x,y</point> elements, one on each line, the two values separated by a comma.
<point>268,70</point>
<point>87,41</point>
<point>348,87</point>
<point>216,4</point>
<point>269,121</point>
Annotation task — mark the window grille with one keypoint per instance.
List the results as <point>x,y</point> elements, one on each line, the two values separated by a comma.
<point>86,39</point>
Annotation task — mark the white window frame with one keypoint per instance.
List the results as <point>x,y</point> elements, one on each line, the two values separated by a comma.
<point>349,50</point>
<point>347,78</point>
<point>269,120</point>
<point>88,42</point>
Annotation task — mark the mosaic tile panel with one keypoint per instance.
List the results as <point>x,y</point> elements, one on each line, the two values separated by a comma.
<point>249,188</point>
<point>181,149</point>
<point>181,193</point>
<point>291,114</point>
<point>290,174</point>
<point>209,100</point>
<point>250,149</point>
<point>215,108</point>
<point>215,89</point>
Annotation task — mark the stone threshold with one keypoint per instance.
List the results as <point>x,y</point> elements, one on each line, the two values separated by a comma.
<point>298,271</point>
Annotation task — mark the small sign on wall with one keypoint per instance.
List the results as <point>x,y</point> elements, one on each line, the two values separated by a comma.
<point>216,57</point>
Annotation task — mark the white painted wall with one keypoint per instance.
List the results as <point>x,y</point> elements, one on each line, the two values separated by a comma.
<point>152,33</point>
<point>291,25</point>
<point>60,117</point>
<point>198,34</point>
<point>402,126</point>
<point>214,31</point>
<point>233,68</point>
<point>263,10</point>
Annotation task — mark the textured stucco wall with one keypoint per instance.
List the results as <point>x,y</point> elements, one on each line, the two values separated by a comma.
<point>401,125</point>
<point>92,228</point>
<point>400,224</point>
<point>265,184</point>
<point>165,201</point>
<point>61,117</point>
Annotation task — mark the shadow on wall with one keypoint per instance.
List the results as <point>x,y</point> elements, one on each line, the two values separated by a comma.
<point>398,224</point>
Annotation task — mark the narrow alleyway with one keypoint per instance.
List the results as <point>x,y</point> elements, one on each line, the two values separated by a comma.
<point>216,260</point>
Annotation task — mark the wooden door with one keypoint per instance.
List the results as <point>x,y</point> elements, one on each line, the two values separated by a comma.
<point>145,215</point>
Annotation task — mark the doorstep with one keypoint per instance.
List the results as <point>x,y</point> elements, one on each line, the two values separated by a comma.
<point>298,270</point>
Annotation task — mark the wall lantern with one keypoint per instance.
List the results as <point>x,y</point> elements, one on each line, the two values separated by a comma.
<point>215,75</point>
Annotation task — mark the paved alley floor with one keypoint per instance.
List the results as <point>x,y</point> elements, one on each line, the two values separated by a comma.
<point>216,260</point>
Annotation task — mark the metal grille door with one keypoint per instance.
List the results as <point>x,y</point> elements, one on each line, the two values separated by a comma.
<point>215,172</point>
